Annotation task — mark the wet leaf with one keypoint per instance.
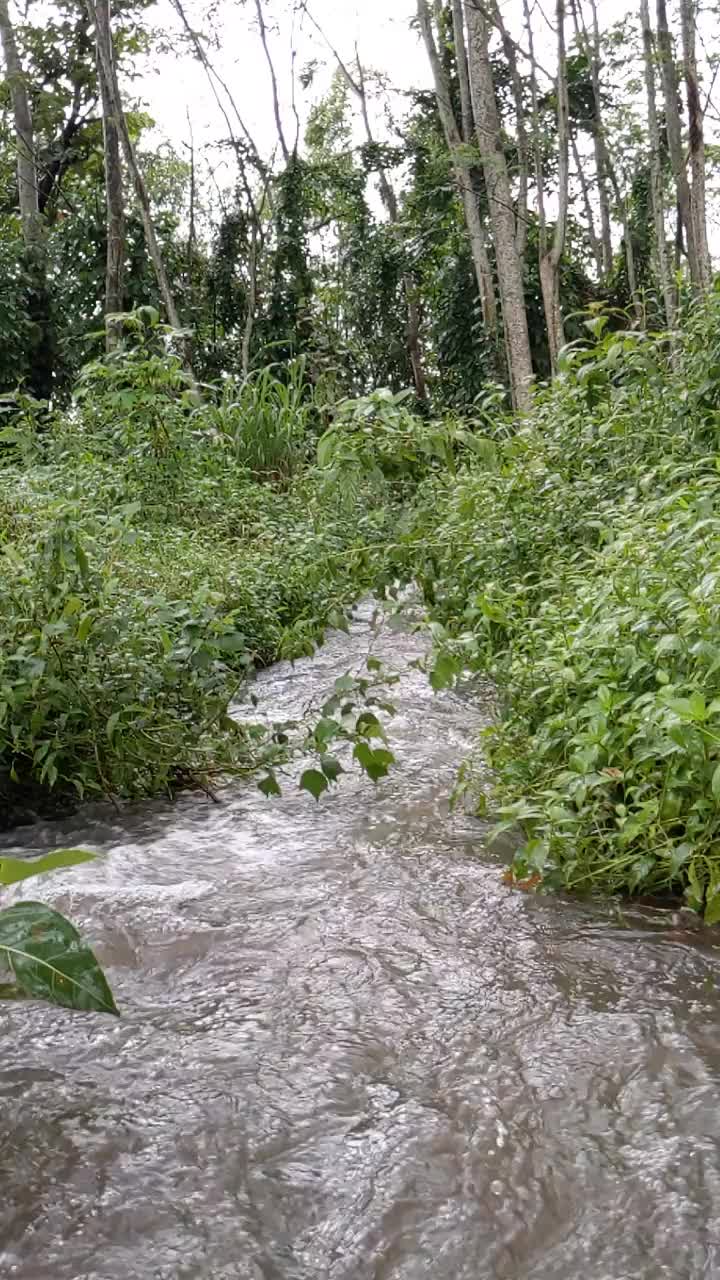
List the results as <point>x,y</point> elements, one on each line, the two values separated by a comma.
<point>331,767</point>
<point>13,870</point>
<point>315,782</point>
<point>49,960</point>
<point>443,673</point>
<point>269,785</point>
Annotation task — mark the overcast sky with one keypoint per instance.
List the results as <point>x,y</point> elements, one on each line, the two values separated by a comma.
<point>176,85</point>
<point>381,29</point>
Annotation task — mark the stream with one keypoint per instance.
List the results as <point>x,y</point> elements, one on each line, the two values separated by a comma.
<point>348,1051</point>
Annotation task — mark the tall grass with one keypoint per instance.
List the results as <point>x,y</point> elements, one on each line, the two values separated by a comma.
<point>268,418</point>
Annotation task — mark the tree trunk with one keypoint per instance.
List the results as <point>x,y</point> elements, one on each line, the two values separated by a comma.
<point>697,142</point>
<point>151,240</point>
<point>509,49</point>
<point>592,51</point>
<point>457,146</point>
<point>656,174</point>
<point>114,199</point>
<point>595,245</point>
<point>467,129</point>
<point>33,227</point>
<point>550,262</point>
<point>497,183</point>
<point>675,141</point>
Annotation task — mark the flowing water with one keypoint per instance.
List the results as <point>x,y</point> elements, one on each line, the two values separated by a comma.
<point>348,1052</point>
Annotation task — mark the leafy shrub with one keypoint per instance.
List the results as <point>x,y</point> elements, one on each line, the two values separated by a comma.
<point>42,951</point>
<point>581,568</point>
<point>145,573</point>
<point>267,419</point>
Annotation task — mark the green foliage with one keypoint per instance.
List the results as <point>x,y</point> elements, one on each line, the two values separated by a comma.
<point>145,574</point>
<point>378,438</point>
<point>578,563</point>
<point>268,419</point>
<point>41,949</point>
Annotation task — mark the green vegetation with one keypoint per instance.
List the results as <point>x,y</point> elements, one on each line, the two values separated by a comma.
<point>41,951</point>
<point>575,557</point>
<point>146,570</point>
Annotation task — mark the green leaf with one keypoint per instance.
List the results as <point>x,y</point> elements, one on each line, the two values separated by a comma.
<point>444,672</point>
<point>269,785</point>
<point>712,910</point>
<point>84,627</point>
<point>232,642</point>
<point>368,725</point>
<point>331,767</point>
<point>326,729</point>
<point>716,783</point>
<point>640,870</point>
<point>13,870</point>
<point>374,761</point>
<point>315,782</point>
<point>49,960</point>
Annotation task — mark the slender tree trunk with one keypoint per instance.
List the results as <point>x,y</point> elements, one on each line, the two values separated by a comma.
<point>467,123</point>
<point>675,141</point>
<point>457,146</point>
<point>550,262</point>
<point>656,174</point>
<point>510,51</point>
<point>151,240</point>
<point>595,244</point>
<point>696,135</point>
<point>27,178</point>
<point>114,197</point>
<point>497,183</point>
<point>33,226</point>
<point>592,51</point>
<point>273,81</point>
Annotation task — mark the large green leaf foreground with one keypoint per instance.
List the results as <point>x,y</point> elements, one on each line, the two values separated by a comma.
<point>43,951</point>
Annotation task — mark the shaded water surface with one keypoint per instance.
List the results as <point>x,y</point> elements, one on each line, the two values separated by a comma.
<point>348,1052</point>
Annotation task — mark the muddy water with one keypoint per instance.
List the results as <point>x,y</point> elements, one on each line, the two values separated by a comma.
<point>347,1052</point>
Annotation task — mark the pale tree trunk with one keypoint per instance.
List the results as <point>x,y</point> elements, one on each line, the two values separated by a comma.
<point>675,141</point>
<point>467,129</point>
<point>27,178</point>
<point>509,49</point>
<point>550,262</point>
<point>457,145</point>
<point>656,174</point>
<point>591,49</point>
<point>273,81</point>
<point>151,240</point>
<point>502,217</point>
<point>595,244</point>
<point>114,198</point>
<point>696,136</point>
<point>33,227</point>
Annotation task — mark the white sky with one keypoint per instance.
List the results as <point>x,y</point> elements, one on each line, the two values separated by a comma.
<point>381,29</point>
<point>176,85</point>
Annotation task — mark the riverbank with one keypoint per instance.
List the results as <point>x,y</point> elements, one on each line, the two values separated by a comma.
<point>151,561</point>
<point>576,560</point>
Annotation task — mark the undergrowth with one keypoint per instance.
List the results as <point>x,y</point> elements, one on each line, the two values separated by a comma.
<point>153,554</point>
<point>576,559</point>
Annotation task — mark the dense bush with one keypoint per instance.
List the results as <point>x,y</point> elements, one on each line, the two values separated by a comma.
<point>579,563</point>
<point>146,571</point>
